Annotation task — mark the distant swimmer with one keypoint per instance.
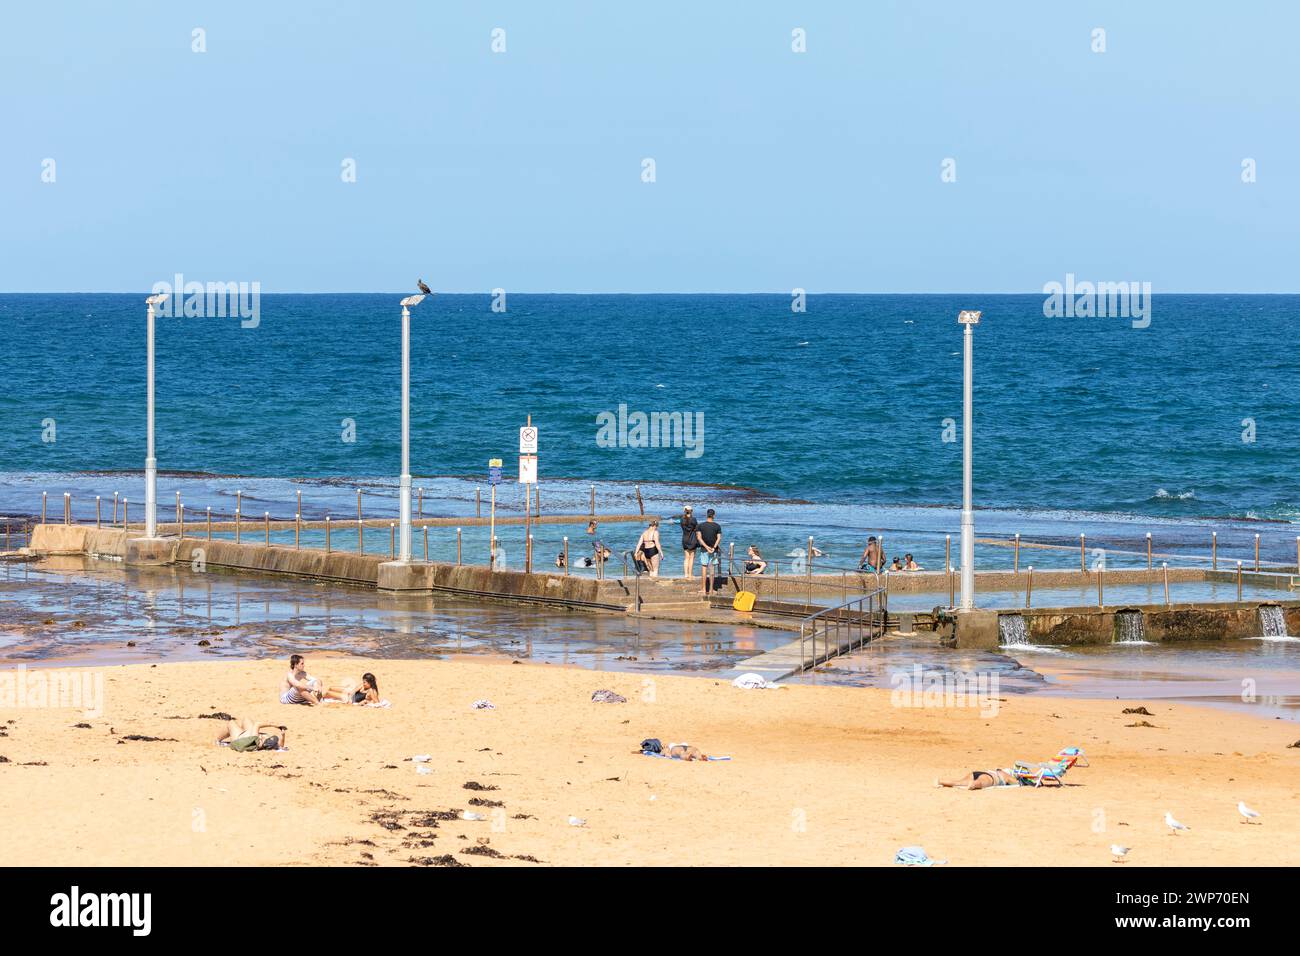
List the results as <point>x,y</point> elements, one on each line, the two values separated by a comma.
<point>424,288</point>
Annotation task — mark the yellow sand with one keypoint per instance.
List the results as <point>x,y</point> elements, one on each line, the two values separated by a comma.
<point>819,775</point>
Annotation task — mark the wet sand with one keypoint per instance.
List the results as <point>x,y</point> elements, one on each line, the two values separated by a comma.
<point>819,775</point>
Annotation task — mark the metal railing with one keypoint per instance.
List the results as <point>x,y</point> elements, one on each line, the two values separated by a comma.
<point>637,570</point>
<point>843,627</point>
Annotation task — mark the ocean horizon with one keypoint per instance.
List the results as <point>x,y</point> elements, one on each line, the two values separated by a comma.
<point>855,400</point>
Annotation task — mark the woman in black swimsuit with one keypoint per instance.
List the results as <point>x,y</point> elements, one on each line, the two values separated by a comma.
<point>981,780</point>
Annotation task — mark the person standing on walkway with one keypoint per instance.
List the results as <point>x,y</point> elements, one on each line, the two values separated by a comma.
<point>709,535</point>
<point>873,558</point>
<point>689,541</point>
<point>648,549</point>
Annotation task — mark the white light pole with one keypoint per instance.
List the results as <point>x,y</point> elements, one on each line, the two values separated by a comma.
<point>150,462</point>
<point>404,509</point>
<point>969,319</point>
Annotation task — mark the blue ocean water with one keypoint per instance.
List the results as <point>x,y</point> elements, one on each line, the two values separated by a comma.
<point>845,402</point>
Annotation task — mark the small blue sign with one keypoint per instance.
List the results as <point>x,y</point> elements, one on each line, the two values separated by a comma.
<point>494,475</point>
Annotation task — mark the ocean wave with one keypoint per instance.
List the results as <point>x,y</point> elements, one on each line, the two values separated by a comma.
<point>1164,495</point>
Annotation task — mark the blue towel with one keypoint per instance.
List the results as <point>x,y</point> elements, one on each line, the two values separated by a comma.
<point>651,753</point>
<point>915,856</point>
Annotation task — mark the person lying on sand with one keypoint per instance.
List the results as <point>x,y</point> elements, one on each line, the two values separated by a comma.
<point>296,688</point>
<point>248,734</point>
<point>367,694</point>
<point>686,752</point>
<point>981,779</point>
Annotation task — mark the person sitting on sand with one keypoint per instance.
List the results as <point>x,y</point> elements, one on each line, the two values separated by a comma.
<point>247,734</point>
<point>296,688</point>
<point>754,563</point>
<point>367,694</point>
<point>981,780</point>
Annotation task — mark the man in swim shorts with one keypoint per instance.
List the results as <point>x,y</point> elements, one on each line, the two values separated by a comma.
<point>709,536</point>
<point>295,688</point>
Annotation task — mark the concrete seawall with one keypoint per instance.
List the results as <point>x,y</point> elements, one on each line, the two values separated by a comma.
<point>784,598</point>
<point>1073,626</point>
<point>364,570</point>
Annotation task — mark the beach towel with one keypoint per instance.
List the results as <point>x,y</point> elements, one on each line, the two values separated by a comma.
<point>915,856</point>
<point>383,703</point>
<point>651,753</point>
<point>754,682</point>
<point>608,697</point>
<point>226,743</point>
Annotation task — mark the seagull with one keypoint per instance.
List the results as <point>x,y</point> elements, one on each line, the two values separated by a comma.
<point>1173,825</point>
<point>424,288</point>
<point>1118,852</point>
<point>1250,816</point>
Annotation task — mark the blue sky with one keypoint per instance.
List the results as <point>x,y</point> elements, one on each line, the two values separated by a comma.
<point>774,170</point>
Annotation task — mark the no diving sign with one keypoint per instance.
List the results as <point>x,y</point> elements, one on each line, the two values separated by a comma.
<point>528,440</point>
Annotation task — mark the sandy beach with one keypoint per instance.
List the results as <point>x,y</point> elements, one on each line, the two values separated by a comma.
<point>818,775</point>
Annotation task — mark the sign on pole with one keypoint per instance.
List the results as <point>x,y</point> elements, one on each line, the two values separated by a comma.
<point>494,471</point>
<point>528,440</point>
<point>528,469</point>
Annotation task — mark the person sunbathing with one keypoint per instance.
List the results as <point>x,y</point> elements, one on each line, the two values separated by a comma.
<point>686,752</point>
<point>367,694</point>
<point>247,734</point>
<point>296,687</point>
<point>981,780</point>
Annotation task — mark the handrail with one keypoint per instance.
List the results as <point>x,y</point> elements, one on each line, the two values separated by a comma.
<point>867,608</point>
<point>637,569</point>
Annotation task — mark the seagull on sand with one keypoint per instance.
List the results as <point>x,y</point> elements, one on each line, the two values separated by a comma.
<point>1173,825</point>
<point>1250,816</point>
<point>424,288</point>
<point>1118,852</point>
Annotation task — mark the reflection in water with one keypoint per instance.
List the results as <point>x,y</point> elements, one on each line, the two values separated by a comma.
<point>1257,675</point>
<point>87,611</point>
<point>97,612</point>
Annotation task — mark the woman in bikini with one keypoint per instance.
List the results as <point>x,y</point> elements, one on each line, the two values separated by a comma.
<point>248,734</point>
<point>649,550</point>
<point>981,780</point>
<point>367,694</point>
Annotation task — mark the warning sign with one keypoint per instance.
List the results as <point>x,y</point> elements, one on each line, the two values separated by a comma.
<point>528,440</point>
<point>528,469</point>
